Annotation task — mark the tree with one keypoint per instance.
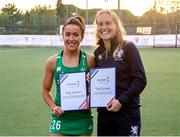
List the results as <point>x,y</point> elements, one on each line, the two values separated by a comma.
<point>43,19</point>
<point>59,11</point>
<point>13,12</point>
<point>13,15</point>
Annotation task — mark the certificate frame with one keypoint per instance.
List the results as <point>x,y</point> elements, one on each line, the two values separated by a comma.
<point>73,91</point>
<point>102,86</point>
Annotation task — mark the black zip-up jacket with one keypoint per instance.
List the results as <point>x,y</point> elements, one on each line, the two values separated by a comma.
<point>130,73</point>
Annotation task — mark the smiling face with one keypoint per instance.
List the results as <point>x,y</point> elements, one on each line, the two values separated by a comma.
<point>106,27</point>
<point>72,37</point>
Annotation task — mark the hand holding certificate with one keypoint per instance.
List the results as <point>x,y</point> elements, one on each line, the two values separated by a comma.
<point>73,91</point>
<point>102,86</point>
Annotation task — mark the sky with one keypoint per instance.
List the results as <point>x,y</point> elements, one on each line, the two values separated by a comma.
<point>137,7</point>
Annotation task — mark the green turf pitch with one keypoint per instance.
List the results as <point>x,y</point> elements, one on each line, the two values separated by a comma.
<point>23,112</point>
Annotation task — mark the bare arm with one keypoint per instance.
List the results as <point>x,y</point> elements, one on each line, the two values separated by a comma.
<point>91,61</point>
<point>47,84</point>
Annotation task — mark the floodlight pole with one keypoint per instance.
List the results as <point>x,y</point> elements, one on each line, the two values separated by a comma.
<point>87,11</point>
<point>119,9</point>
<point>67,12</point>
<point>154,17</point>
<point>154,23</point>
<point>176,22</point>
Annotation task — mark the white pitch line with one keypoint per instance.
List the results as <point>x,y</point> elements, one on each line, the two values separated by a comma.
<point>12,50</point>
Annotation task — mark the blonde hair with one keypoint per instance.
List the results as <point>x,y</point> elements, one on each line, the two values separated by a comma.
<point>118,40</point>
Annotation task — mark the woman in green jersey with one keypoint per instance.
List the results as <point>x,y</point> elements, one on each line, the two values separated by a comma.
<point>70,59</point>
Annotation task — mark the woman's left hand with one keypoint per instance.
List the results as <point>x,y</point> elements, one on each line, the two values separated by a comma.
<point>114,106</point>
<point>88,77</point>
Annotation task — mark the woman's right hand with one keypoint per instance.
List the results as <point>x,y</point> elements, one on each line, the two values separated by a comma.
<point>57,110</point>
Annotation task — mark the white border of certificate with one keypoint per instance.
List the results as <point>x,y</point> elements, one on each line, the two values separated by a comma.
<point>102,86</point>
<point>73,91</point>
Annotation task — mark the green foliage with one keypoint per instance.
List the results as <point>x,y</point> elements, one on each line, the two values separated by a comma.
<point>41,18</point>
<point>11,9</point>
<point>59,11</point>
<point>11,13</point>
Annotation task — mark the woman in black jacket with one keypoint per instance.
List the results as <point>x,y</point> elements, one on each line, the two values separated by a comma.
<point>122,116</point>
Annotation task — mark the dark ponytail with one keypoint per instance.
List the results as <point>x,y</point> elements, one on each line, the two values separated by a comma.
<point>76,20</point>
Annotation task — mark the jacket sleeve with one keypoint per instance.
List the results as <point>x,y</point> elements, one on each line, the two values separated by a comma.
<point>137,74</point>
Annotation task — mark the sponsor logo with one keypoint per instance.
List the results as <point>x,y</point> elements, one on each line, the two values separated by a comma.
<point>83,69</point>
<point>103,81</point>
<point>74,84</point>
<point>58,69</point>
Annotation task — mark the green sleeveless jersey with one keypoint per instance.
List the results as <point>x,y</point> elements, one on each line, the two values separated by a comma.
<point>77,122</point>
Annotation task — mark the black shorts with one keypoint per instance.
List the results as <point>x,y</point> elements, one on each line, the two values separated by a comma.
<point>114,124</point>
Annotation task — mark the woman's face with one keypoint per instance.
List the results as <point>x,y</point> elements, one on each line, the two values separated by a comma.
<point>72,37</point>
<point>106,27</point>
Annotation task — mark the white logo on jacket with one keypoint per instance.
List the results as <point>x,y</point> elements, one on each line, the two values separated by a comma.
<point>119,55</point>
<point>100,57</point>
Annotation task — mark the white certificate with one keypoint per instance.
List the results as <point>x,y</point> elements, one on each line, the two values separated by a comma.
<point>102,86</point>
<point>73,93</point>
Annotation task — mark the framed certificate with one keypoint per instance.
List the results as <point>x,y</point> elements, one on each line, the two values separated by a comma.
<point>73,91</point>
<point>102,86</point>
